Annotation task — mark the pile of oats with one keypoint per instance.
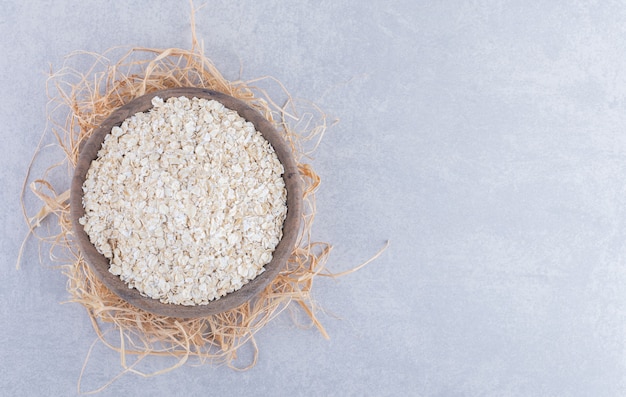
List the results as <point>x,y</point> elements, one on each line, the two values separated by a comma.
<point>186,200</point>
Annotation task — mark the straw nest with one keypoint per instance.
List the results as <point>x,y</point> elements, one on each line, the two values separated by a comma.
<point>86,99</point>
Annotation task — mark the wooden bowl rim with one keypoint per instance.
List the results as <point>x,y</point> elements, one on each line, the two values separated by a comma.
<point>291,226</point>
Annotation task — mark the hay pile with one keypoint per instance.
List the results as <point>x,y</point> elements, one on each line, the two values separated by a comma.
<point>87,98</point>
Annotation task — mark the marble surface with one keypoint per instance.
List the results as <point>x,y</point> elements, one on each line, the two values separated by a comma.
<point>484,139</point>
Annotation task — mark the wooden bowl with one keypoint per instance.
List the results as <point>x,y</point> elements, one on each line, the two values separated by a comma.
<point>100,264</point>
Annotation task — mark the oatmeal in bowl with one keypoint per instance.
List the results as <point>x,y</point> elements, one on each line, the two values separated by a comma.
<point>186,202</point>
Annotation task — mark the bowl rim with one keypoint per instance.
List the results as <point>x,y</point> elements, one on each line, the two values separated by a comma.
<point>291,226</point>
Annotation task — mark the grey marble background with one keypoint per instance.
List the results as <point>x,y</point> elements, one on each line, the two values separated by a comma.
<point>485,139</point>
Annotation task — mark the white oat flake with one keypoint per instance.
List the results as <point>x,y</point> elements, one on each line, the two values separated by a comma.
<point>187,201</point>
